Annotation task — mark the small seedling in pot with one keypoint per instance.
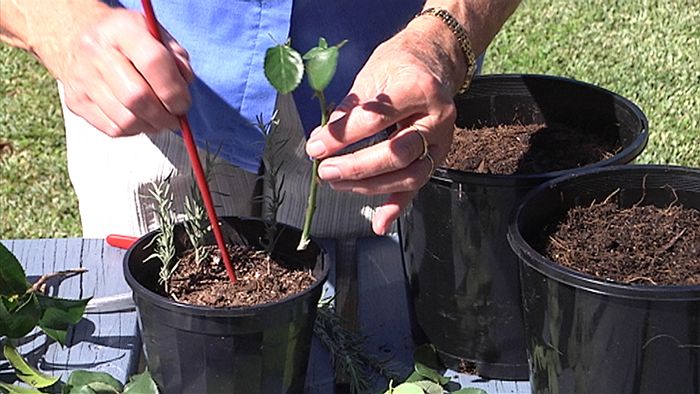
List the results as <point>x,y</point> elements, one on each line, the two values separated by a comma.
<point>284,69</point>
<point>273,180</point>
<point>196,225</point>
<point>196,221</point>
<point>165,240</point>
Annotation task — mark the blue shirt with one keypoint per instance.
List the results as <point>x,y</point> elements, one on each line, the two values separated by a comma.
<point>227,40</point>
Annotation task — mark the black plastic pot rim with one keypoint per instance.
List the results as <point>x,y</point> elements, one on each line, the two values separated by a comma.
<point>198,310</point>
<point>448,175</point>
<point>552,270</point>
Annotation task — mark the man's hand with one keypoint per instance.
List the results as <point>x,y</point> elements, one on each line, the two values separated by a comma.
<point>407,81</point>
<point>114,73</point>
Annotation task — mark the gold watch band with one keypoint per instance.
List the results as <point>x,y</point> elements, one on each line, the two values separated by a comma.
<point>453,24</point>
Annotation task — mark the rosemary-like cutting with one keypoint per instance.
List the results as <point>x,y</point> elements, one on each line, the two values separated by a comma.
<point>273,180</point>
<point>164,249</point>
<point>347,349</point>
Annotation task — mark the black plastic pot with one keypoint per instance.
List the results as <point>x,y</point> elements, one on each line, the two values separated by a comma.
<point>590,336</point>
<point>463,275</point>
<point>195,349</point>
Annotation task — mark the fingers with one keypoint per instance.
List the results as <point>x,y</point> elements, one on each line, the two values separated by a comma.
<point>123,81</point>
<point>182,57</point>
<point>82,105</point>
<point>157,65</point>
<point>407,179</point>
<point>126,91</point>
<point>358,117</point>
<point>398,152</point>
<point>385,214</point>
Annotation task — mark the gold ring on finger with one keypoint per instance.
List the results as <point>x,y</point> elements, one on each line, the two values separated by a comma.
<point>424,140</point>
<point>432,162</point>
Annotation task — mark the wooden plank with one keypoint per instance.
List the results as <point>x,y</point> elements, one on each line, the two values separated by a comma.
<point>104,342</point>
<point>488,385</point>
<point>110,342</point>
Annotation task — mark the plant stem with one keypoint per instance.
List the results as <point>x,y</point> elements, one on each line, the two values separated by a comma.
<point>37,286</point>
<point>313,184</point>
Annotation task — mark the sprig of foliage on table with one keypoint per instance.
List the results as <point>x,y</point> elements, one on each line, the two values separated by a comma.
<point>284,69</point>
<point>347,349</point>
<point>426,378</point>
<point>23,307</point>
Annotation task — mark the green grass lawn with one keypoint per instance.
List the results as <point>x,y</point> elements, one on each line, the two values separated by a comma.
<point>647,51</point>
<point>36,199</point>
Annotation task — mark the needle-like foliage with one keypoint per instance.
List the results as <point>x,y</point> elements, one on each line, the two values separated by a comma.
<point>347,348</point>
<point>165,239</point>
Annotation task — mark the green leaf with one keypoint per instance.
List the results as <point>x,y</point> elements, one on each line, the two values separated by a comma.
<point>431,374</point>
<point>429,387</point>
<point>18,316</point>
<point>25,372</point>
<point>321,63</point>
<point>58,314</point>
<point>141,384</point>
<point>428,364</point>
<point>414,377</point>
<point>13,280</point>
<point>6,388</point>
<point>407,388</point>
<point>470,390</point>
<point>283,68</point>
<point>94,388</point>
<point>427,355</point>
<point>89,382</point>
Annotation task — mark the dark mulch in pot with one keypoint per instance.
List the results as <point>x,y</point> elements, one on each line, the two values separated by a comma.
<point>261,279</point>
<point>641,245</point>
<point>528,149</point>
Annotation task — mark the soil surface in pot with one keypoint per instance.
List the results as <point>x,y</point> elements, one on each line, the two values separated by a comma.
<point>261,279</point>
<point>528,149</point>
<point>641,245</point>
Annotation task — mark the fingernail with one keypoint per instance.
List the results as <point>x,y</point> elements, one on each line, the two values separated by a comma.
<point>329,173</point>
<point>315,148</point>
<point>315,131</point>
<point>378,227</point>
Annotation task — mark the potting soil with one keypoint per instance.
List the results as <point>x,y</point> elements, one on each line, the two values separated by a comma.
<point>640,245</point>
<point>261,279</point>
<point>528,149</point>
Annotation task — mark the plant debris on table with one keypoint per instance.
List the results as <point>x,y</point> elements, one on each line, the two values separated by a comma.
<point>642,245</point>
<point>261,279</point>
<point>528,149</point>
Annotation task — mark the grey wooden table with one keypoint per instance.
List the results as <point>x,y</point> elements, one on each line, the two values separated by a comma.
<point>110,342</point>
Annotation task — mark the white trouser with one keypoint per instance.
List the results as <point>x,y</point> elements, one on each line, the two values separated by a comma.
<point>112,178</point>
